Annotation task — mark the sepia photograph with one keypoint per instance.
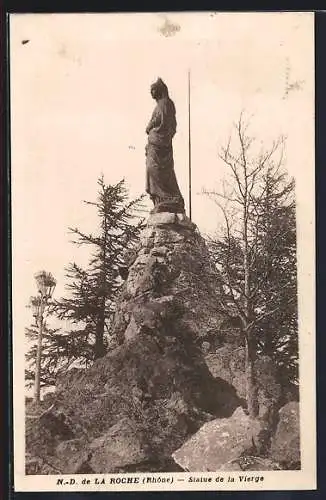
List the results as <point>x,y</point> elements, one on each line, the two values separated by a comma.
<point>163,251</point>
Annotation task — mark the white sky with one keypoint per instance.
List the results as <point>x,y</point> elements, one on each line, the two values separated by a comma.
<point>80,104</point>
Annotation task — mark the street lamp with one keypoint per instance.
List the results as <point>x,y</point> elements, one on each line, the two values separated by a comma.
<point>45,285</point>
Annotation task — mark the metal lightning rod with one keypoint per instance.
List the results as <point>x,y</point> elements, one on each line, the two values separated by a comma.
<point>189,144</point>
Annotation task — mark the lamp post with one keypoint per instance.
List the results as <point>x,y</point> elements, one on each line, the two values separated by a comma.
<point>45,286</point>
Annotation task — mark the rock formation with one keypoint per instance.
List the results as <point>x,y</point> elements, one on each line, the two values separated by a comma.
<point>134,407</point>
<point>220,444</point>
<point>153,403</point>
<point>285,446</point>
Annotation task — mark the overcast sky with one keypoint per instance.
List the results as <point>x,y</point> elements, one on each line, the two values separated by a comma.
<point>80,103</point>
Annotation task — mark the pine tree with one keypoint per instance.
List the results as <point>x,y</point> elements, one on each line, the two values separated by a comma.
<point>93,290</point>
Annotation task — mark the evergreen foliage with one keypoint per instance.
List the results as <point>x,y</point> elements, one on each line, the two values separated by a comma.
<point>92,291</point>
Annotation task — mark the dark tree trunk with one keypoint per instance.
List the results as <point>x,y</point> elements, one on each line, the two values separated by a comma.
<point>252,389</point>
<point>99,348</point>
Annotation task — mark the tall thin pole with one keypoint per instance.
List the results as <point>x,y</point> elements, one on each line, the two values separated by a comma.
<point>189,144</point>
<point>37,387</point>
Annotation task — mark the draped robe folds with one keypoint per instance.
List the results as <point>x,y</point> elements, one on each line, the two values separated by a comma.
<point>161,182</point>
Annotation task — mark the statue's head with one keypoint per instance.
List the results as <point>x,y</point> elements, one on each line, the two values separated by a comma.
<point>159,89</point>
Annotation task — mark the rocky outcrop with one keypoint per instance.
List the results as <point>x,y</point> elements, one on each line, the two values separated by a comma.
<point>217,442</point>
<point>285,446</point>
<point>134,407</point>
<point>161,400</point>
<point>269,442</point>
<point>234,443</point>
<point>171,261</point>
<point>228,362</point>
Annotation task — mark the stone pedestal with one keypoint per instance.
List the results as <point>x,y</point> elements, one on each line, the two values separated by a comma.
<point>162,218</point>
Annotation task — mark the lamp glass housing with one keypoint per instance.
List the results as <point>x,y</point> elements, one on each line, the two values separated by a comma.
<point>45,284</point>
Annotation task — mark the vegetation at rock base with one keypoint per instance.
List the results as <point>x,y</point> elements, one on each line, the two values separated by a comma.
<point>255,253</point>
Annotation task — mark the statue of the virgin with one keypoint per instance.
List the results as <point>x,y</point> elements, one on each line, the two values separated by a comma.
<point>161,182</point>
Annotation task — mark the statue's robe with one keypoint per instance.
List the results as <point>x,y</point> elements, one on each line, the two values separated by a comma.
<point>161,182</point>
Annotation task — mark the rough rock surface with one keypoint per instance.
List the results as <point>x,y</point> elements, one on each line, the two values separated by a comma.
<point>217,443</point>
<point>140,402</point>
<point>285,446</point>
<point>229,444</point>
<point>172,261</point>
<point>228,363</point>
<point>251,463</point>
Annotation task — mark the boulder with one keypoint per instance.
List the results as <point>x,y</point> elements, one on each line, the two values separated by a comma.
<point>72,454</point>
<point>122,446</point>
<point>217,443</point>
<point>285,446</point>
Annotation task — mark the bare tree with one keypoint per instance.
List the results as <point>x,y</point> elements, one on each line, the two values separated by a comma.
<point>254,196</point>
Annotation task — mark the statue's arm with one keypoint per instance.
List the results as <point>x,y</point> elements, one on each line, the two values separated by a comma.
<point>155,121</point>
